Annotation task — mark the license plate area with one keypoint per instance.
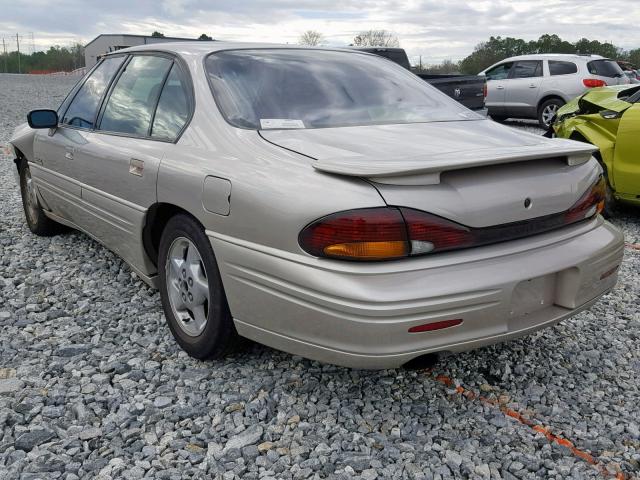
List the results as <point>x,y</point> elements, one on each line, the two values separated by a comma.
<point>532,295</point>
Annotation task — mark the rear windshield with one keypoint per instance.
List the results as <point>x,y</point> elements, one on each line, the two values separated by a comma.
<point>296,88</point>
<point>604,68</point>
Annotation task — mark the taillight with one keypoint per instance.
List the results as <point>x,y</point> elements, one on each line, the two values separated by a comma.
<point>594,83</point>
<point>383,233</point>
<point>485,90</point>
<point>388,233</point>
<point>429,233</point>
<point>590,204</point>
<point>364,234</point>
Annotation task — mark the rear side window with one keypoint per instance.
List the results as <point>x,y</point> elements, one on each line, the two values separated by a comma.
<point>562,68</point>
<point>604,68</point>
<point>499,72</point>
<point>527,69</point>
<point>82,110</point>
<point>133,100</point>
<point>173,107</point>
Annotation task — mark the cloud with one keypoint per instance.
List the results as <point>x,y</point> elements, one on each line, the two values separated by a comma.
<point>433,29</point>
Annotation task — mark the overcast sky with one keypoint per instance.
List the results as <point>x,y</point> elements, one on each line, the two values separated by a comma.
<point>435,29</point>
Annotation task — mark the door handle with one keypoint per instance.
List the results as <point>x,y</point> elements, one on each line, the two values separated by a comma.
<point>69,153</point>
<point>532,86</point>
<point>499,87</point>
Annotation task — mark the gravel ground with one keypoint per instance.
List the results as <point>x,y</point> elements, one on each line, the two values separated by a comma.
<point>92,384</point>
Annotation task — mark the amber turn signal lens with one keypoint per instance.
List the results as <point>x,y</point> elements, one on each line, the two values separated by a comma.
<point>368,250</point>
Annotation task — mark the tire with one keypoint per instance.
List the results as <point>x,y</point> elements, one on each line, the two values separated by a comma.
<point>498,118</point>
<point>37,221</point>
<point>191,291</point>
<point>547,112</point>
<point>610,202</point>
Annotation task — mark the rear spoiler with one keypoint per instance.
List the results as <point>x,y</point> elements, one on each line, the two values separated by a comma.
<point>422,170</point>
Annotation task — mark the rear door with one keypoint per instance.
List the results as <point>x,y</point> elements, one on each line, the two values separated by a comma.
<point>55,165</point>
<point>119,164</point>
<point>496,84</point>
<point>522,88</point>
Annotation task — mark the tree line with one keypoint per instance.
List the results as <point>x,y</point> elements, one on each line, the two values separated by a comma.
<point>493,50</point>
<point>58,58</point>
<point>55,59</point>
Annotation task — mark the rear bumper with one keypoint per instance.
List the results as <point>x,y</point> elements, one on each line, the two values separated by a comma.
<point>358,315</point>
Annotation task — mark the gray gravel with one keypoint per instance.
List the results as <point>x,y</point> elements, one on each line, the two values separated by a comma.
<point>92,384</point>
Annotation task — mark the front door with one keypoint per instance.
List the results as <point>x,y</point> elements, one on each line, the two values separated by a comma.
<point>55,165</point>
<point>522,88</point>
<point>118,165</point>
<point>496,83</point>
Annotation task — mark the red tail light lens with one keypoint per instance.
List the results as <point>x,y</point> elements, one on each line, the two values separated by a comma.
<point>429,233</point>
<point>594,82</point>
<point>364,234</point>
<point>388,233</point>
<point>590,204</point>
<point>485,90</point>
<point>382,234</point>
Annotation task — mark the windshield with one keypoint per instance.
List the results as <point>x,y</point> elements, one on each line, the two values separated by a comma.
<point>296,88</point>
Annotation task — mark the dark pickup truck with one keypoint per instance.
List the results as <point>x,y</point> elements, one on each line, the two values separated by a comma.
<point>469,90</point>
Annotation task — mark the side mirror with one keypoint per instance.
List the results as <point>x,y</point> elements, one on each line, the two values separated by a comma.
<point>42,119</point>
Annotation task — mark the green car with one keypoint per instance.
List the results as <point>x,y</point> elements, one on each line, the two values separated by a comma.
<point>608,118</point>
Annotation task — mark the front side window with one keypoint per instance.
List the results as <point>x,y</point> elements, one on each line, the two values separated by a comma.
<point>528,69</point>
<point>296,88</point>
<point>131,104</point>
<point>562,68</point>
<point>82,110</point>
<point>499,72</point>
<point>173,107</point>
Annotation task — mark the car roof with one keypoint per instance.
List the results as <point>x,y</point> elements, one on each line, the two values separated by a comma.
<point>202,48</point>
<point>555,56</point>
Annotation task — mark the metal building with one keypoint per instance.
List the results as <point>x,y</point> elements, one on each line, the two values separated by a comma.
<point>110,42</point>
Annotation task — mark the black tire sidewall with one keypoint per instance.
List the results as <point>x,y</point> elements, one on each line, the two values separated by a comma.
<point>40,216</point>
<point>219,334</point>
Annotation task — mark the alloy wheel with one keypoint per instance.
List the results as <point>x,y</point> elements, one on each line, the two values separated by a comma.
<point>548,113</point>
<point>187,286</point>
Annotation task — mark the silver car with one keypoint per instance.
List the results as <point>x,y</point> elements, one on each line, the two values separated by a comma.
<point>324,202</point>
<point>535,86</point>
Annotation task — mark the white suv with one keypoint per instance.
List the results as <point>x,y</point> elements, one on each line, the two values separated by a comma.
<point>535,86</point>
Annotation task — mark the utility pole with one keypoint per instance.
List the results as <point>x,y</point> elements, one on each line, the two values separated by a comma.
<point>18,45</point>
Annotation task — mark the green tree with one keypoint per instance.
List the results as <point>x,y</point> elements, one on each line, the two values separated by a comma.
<point>204,36</point>
<point>447,66</point>
<point>157,34</point>
<point>496,49</point>
<point>55,59</point>
<point>605,49</point>
<point>634,57</point>
<point>553,44</point>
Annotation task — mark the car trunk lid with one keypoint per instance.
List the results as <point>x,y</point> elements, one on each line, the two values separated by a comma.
<point>476,173</point>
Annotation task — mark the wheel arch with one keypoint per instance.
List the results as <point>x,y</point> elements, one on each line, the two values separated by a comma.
<point>157,217</point>
<point>549,96</point>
